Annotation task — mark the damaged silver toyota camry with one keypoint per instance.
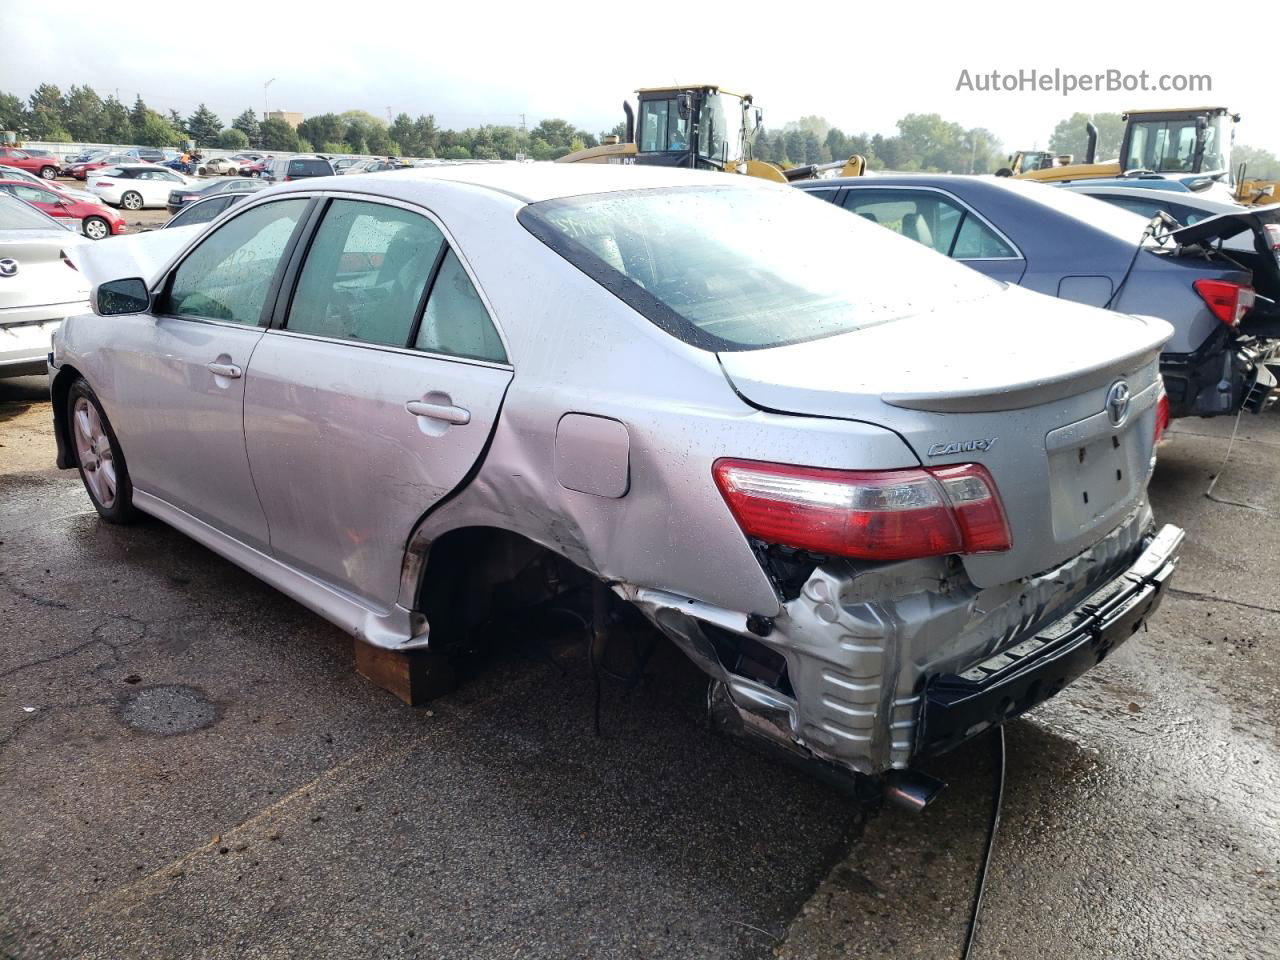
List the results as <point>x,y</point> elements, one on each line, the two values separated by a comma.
<point>883,501</point>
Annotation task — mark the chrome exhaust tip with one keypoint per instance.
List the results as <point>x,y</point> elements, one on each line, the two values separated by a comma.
<point>911,790</point>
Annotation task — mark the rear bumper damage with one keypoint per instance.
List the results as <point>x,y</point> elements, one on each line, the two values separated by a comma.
<point>1224,375</point>
<point>867,671</point>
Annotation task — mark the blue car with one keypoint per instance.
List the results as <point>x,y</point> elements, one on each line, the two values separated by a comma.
<point>1221,357</point>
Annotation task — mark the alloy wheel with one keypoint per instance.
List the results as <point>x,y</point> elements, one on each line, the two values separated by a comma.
<point>132,201</point>
<point>93,451</point>
<point>95,228</point>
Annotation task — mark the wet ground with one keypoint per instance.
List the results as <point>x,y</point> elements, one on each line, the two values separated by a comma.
<point>189,766</point>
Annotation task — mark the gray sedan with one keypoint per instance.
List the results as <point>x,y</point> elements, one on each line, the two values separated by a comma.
<point>1074,247</point>
<point>418,402</point>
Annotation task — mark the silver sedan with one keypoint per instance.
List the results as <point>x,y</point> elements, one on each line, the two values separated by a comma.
<point>884,501</point>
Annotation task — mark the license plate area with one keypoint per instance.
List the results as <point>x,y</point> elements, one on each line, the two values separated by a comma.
<point>1093,478</point>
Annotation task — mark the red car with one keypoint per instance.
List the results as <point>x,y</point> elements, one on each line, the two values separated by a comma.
<point>96,222</point>
<point>44,167</point>
<point>256,168</point>
<point>81,171</point>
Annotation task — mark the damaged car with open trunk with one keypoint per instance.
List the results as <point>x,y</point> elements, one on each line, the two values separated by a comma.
<point>883,501</point>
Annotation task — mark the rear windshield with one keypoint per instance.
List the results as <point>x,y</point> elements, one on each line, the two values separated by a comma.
<point>16,215</point>
<point>310,168</point>
<point>738,268</point>
<point>1121,224</point>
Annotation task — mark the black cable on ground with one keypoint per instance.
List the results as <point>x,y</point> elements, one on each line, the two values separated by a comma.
<point>997,747</point>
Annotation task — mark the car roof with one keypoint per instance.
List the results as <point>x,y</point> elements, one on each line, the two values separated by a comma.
<point>535,182</point>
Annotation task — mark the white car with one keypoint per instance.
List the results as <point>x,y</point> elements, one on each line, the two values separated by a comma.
<point>39,285</point>
<point>134,186</point>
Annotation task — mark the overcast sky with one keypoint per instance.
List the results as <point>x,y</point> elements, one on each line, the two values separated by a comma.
<point>473,63</point>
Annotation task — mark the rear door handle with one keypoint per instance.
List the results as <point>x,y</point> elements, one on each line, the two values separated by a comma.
<point>228,370</point>
<point>439,411</point>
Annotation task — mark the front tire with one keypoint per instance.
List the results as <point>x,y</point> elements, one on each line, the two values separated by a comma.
<point>49,173</point>
<point>131,200</point>
<point>96,228</point>
<point>98,456</point>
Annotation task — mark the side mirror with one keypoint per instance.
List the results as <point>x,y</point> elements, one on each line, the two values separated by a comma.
<point>684,105</point>
<point>116,298</point>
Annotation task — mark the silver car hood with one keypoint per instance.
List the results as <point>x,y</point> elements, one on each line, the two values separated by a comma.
<point>144,255</point>
<point>1015,381</point>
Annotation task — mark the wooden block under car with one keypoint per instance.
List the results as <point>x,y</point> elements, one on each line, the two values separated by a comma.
<point>415,676</point>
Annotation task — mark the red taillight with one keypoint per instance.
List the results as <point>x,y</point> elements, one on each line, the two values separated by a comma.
<point>1162,415</point>
<point>871,514</point>
<point>102,183</point>
<point>67,260</point>
<point>1226,301</point>
<point>287,179</point>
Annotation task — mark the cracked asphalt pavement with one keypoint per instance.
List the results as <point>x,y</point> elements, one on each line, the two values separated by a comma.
<point>190,767</point>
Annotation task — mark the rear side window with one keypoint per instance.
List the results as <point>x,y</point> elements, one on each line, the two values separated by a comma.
<point>227,276</point>
<point>201,212</point>
<point>931,219</point>
<point>456,322</point>
<point>365,274</point>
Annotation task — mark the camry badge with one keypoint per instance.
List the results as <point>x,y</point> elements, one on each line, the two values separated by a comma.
<point>962,446</point>
<point>1118,403</point>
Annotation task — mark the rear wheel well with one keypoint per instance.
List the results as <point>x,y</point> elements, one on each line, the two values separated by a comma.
<point>476,575</point>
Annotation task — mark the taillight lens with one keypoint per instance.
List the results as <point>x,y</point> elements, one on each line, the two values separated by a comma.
<point>102,183</point>
<point>871,514</point>
<point>1162,415</point>
<point>1227,301</point>
<point>67,260</point>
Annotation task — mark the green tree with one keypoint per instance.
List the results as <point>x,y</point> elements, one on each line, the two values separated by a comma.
<point>379,142</point>
<point>155,131</point>
<point>355,137</point>
<point>402,133</point>
<point>426,136</point>
<point>457,152</point>
<point>812,148</point>
<point>1259,164</point>
<point>178,122</point>
<point>233,139</point>
<point>1071,135</point>
<point>794,141</point>
<point>203,126</point>
<point>138,115</point>
<point>278,135</point>
<point>83,114</point>
<point>247,123</point>
<point>11,112</point>
<point>44,114</point>
<point>323,128</point>
<point>116,127</point>
<point>558,133</point>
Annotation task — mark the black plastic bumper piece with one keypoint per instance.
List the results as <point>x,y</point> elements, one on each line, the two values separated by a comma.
<point>1007,684</point>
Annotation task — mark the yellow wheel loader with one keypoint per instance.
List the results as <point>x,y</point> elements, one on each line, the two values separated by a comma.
<point>1191,145</point>
<point>699,126</point>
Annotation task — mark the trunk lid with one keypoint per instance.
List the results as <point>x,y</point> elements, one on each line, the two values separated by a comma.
<point>1255,227</point>
<point>1015,381</point>
<point>36,274</point>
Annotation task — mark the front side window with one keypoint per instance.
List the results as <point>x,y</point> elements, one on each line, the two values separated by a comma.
<point>719,267</point>
<point>33,194</point>
<point>227,276</point>
<point>365,274</point>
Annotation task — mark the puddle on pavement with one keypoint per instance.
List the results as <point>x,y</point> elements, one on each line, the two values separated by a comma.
<point>168,710</point>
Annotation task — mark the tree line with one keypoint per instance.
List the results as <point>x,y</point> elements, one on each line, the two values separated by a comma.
<point>81,115</point>
<point>923,142</point>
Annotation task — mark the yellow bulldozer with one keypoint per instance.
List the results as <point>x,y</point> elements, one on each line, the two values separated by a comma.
<point>703,127</point>
<point>1191,145</point>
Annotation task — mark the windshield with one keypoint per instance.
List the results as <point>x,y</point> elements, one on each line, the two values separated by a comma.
<point>739,268</point>
<point>1169,146</point>
<point>16,215</point>
<point>720,128</point>
<point>662,127</point>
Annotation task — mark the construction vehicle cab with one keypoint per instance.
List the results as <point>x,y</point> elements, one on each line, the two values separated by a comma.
<point>1178,142</point>
<point>698,126</point>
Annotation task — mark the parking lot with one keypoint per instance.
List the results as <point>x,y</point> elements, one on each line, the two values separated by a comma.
<point>189,766</point>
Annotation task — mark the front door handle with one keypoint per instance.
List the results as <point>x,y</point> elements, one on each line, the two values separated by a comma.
<point>228,370</point>
<point>439,411</point>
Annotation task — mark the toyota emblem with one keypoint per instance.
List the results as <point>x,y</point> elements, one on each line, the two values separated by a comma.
<point>8,267</point>
<point>1118,402</point>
